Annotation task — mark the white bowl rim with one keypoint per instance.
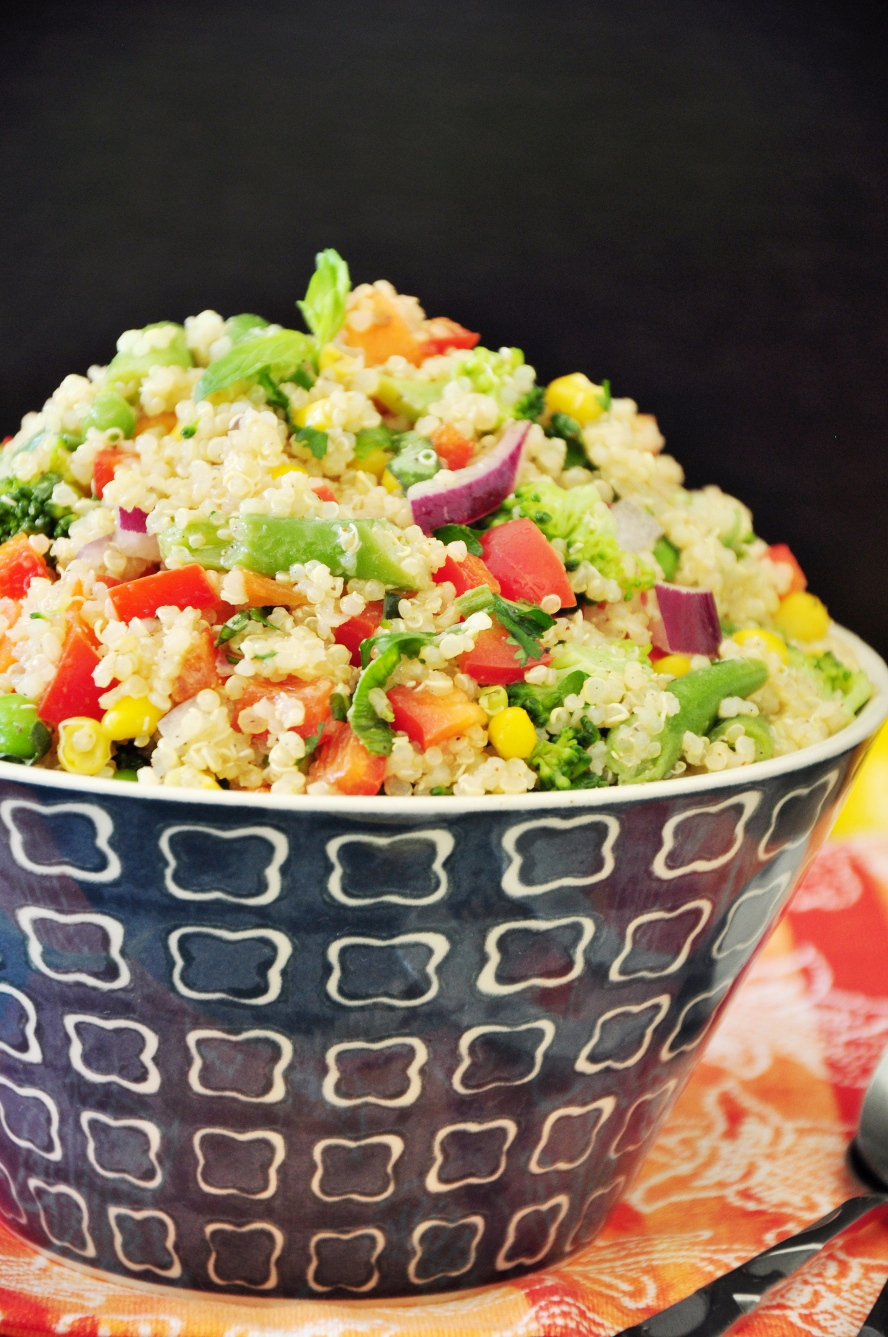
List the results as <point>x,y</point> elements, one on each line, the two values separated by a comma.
<point>863,726</point>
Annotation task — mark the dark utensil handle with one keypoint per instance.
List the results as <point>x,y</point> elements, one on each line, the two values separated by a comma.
<point>876,1324</point>
<point>712,1309</point>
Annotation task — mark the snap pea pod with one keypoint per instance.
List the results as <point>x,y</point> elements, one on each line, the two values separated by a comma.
<point>201,540</point>
<point>699,693</point>
<point>756,728</point>
<point>23,737</point>
<point>272,543</point>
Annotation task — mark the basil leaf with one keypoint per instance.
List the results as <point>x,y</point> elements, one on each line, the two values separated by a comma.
<point>455,533</point>
<point>280,355</point>
<point>524,622</point>
<point>315,440</point>
<point>324,307</point>
<point>369,439</point>
<point>377,735</point>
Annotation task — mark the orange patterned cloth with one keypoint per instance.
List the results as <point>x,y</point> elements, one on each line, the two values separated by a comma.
<point>754,1149</point>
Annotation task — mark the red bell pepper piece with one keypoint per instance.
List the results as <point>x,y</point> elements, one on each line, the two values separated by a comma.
<point>525,563</point>
<point>357,629</point>
<point>19,564</point>
<point>315,697</point>
<point>444,333</point>
<point>324,491</point>
<point>780,552</point>
<point>452,447</point>
<point>198,670</point>
<point>343,761</point>
<point>105,465</point>
<point>72,690</point>
<point>428,719</point>
<point>186,587</point>
<point>494,659</point>
<point>466,575</point>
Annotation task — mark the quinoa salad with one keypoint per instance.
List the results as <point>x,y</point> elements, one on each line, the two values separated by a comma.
<point>377,557</point>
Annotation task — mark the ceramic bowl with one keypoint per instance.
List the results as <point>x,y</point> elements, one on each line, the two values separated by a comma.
<point>362,1047</point>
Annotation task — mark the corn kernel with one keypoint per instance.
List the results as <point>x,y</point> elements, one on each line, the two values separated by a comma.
<point>677,665</point>
<point>576,396</point>
<point>512,733</point>
<point>374,462</point>
<point>129,717</point>
<point>769,640</point>
<point>802,617</point>
<point>315,415</point>
<point>84,745</point>
<point>390,482</point>
<point>279,470</point>
<point>329,355</point>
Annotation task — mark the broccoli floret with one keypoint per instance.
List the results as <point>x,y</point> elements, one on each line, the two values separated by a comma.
<point>585,527</point>
<point>564,763</point>
<point>598,660</point>
<point>28,508</point>
<point>531,405</point>
<point>539,702</point>
<point>570,432</point>
<point>832,676</point>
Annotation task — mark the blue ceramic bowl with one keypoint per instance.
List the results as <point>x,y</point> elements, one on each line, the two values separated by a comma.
<point>363,1047</point>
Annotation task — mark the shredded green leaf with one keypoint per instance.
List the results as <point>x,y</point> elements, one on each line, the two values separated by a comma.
<point>524,622</point>
<point>313,438</point>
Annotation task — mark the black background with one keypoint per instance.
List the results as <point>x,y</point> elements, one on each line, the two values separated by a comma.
<point>686,196</point>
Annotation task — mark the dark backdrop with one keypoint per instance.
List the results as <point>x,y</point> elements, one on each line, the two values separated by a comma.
<point>687,196</point>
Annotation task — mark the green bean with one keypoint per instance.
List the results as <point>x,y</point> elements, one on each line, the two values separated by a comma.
<point>755,727</point>
<point>23,737</point>
<point>699,693</point>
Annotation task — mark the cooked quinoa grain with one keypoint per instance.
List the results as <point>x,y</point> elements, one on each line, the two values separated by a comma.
<point>246,557</point>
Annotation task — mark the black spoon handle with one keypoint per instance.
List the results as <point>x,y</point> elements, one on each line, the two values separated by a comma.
<point>876,1324</point>
<point>712,1309</point>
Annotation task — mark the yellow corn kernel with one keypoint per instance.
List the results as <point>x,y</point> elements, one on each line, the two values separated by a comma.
<point>374,462</point>
<point>776,644</point>
<point>129,717</point>
<point>802,617</point>
<point>576,396</point>
<point>84,745</point>
<point>318,415</point>
<point>290,468</point>
<point>512,733</point>
<point>390,482</point>
<point>334,359</point>
<point>677,665</point>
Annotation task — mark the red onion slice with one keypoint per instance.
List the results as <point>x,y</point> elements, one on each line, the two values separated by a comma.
<point>637,530</point>
<point>690,620</point>
<point>134,544</point>
<point>461,497</point>
<point>133,522</point>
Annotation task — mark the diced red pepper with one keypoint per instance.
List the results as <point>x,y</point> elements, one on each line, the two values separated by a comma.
<point>429,719</point>
<point>315,697</point>
<point>198,670</point>
<point>780,552</point>
<point>466,575</point>
<point>72,690</point>
<point>494,659</point>
<point>186,587</point>
<point>19,564</point>
<point>325,492</point>
<point>343,762</point>
<point>525,563</point>
<point>656,653</point>
<point>444,333</point>
<point>452,447</point>
<point>168,421</point>
<point>357,629</point>
<point>105,465</point>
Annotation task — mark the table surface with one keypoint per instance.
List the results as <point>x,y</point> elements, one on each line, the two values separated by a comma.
<point>754,1149</point>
